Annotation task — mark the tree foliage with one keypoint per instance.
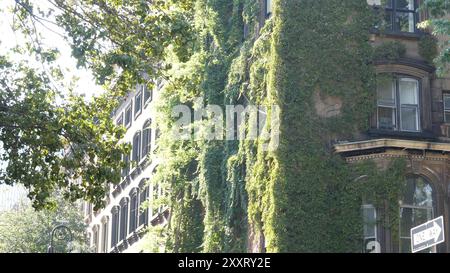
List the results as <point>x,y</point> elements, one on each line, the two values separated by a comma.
<point>52,138</point>
<point>25,230</point>
<point>439,23</point>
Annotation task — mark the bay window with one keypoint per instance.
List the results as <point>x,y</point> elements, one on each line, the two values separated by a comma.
<point>398,104</point>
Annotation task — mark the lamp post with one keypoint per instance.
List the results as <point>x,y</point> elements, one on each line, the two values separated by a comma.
<point>60,232</point>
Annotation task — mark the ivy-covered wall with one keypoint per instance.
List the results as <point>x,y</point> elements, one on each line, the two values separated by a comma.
<point>313,60</point>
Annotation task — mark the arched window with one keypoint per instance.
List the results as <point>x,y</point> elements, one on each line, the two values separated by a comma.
<point>104,243</point>
<point>417,207</point>
<point>126,168</point>
<point>123,218</point>
<point>95,239</point>
<point>146,137</point>
<point>115,225</point>
<point>136,156</point>
<point>134,209</point>
<point>143,196</point>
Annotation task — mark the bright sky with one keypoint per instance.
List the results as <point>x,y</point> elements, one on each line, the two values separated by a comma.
<point>9,39</point>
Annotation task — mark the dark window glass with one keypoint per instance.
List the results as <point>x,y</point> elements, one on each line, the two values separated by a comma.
<point>105,237</point>
<point>133,212</point>
<point>147,94</point>
<point>126,169</point>
<point>401,15</point>
<point>446,107</point>
<point>114,227</point>
<point>128,115</point>
<point>146,138</point>
<point>123,220</point>
<point>137,104</point>
<point>143,213</point>
<point>137,147</point>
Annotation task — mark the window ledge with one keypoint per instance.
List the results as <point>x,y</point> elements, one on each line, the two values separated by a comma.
<point>402,134</point>
<point>391,143</point>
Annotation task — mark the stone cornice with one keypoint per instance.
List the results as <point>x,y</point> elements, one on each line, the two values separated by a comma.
<point>391,143</point>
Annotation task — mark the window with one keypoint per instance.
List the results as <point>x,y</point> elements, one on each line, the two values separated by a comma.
<point>123,219</point>
<point>371,244</point>
<point>95,239</point>
<point>104,248</point>
<point>133,210</point>
<point>446,107</point>
<point>147,94</point>
<point>143,196</point>
<point>146,138</point>
<point>119,121</point>
<point>155,196</point>
<point>416,208</point>
<point>136,156</point>
<point>128,115</point>
<point>268,7</point>
<point>398,103</point>
<point>126,169</point>
<point>400,15</point>
<point>137,105</point>
<point>115,226</point>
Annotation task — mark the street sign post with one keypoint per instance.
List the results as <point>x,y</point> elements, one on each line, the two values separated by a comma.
<point>427,235</point>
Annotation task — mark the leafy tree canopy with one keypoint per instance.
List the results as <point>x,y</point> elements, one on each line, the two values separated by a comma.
<point>51,138</point>
<point>25,230</point>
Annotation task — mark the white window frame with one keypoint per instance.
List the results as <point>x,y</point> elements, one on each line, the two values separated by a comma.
<point>399,106</point>
<point>446,109</point>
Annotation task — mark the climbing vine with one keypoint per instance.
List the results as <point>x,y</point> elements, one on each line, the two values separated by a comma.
<point>313,60</point>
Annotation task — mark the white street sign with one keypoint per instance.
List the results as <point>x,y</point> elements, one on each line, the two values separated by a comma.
<point>427,235</point>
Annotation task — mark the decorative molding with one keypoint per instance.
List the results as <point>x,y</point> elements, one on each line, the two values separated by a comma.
<point>391,143</point>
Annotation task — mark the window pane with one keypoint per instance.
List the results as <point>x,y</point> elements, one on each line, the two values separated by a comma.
<point>369,221</point>
<point>447,101</point>
<point>386,92</point>
<point>147,94</point>
<point>138,103</point>
<point>447,117</point>
<point>405,4</point>
<point>408,91</point>
<point>386,118</point>
<point>404,21</point>
<point>409,119</point>
<point>388,20</point>
<point>411,217</point>
<point>418,193</point>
